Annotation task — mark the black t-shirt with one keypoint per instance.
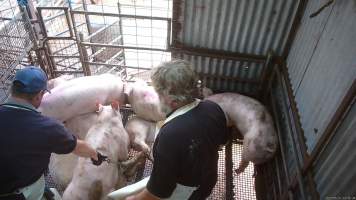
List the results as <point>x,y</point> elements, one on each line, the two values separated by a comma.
<point>186,151</point>
<point>27,140</point>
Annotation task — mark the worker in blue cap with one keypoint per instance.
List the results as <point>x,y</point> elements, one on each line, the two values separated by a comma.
<point>28,138</point>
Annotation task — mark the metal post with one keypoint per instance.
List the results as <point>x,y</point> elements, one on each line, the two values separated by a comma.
<point>86,67</point>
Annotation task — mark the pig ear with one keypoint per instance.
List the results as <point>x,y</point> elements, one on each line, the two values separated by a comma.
<point>99,107</point>
<point>115,105</point>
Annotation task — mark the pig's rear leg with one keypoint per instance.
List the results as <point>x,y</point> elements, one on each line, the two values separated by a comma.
<point>244,157</point>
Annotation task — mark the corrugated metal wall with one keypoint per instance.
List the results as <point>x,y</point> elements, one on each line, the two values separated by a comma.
<point>322,69</point>
<point>244,26</point>
<point>322,64</point>
<point>335,169</point>
<point>220,75</point>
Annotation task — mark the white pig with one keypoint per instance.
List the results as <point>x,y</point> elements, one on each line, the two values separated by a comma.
<point>144,101</point>
<point>62,165</point>
<point>140,132</point>
<point>254,122</point>
<point>109,138</point>
<point>58,81</point>
<point>78,96</point>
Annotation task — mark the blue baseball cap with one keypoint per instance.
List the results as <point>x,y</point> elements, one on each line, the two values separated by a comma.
<point>32,80</point>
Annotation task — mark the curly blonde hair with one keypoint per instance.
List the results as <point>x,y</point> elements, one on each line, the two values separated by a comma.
<point>175,79</point>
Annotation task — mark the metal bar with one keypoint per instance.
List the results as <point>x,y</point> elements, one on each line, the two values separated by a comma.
<point>69,23</point>
<point>69,30</point>
<point>122,46</point>
<point>85,65</point>
<point>299,131</point>
<point>67,71</point>
<point>176,22</point>
<point>169,23</point>
<point>58,38</point>
<point>87,17</point>
<point>103,48</point>
<point>296,118</point>
<point>52,8</point>
<point>218,54</point>
<point>63,56</point>
<point>263,78</point>
<point>54,16</point>
<point>118,15</point>
<point>338,117</point>
<point>115,65</point>
<point>281,145</point>
<point>64,48</point>
<point>229,186</point>
<point>294,144</point>
<point>98,31</point>
<point>242,80</point>
<point>295,26</point>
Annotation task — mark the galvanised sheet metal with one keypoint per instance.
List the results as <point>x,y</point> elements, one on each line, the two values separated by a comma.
<point>220,73</point>
<point>331,72</point>
<point>307,38</point>
<point>245,26</point>
<point>335,172</point>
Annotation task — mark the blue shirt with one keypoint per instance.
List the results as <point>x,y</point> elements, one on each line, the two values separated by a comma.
<point>27,140</point>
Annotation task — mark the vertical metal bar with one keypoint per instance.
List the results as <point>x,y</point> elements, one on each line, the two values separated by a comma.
<point>85,66</point>
<point>69,22</point>
<point>229,187</point>
<point>77,40</point>
<point>41,21</point>
<point>169,24</point>
<point>294,145</point>
<point>281,145</point>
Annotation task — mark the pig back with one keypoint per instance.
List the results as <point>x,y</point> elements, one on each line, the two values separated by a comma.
<point>78,96</point>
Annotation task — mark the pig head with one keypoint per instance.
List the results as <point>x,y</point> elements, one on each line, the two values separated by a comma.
<point>108,137</point>
<point>78,96</point>
<point>254,122</point>
<point>144,101</point>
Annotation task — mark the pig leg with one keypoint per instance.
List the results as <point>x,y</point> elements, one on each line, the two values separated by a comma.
<point>244,157</point>
<point>130,166</point>
<point>141,144</point>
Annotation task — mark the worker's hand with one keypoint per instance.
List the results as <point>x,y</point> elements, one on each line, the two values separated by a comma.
<point>99,160</point>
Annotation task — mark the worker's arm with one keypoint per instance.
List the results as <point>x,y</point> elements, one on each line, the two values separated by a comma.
<point>144,195</point>
<point>83,149</point>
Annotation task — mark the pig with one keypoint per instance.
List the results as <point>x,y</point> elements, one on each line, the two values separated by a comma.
<point>77,96</point>
<point>254,122</point>
<point>58,81</point>
<point>140,133</point>
<point>109,138</point>
<point>62,165</point>
<point>144,101</point>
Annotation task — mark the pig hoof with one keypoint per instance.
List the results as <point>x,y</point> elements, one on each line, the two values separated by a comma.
<point>239,171</point>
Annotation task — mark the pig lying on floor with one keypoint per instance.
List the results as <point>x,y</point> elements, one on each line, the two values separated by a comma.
<point>109,137</point>
<point>254,122</point>
<point>76,96</point>
<point>140,133</point>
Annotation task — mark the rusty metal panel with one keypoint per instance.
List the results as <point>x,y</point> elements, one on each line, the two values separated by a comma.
<point>335,172</point>
<point>330,72</point>
<point>245,26</point>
